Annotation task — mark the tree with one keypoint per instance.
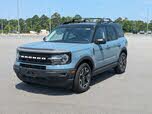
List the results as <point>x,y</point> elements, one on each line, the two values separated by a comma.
<point>22,25</point>
<point>44,22</point>
<point>150,25</point>
<point>141,26</point>
<point>29,25</point>
<point>119,20</point>
<point>55,20</point>
<point>127,25</point>
<point>66,19</point>
<point>77,17</point>
<point>14,24</point>
<point>8,28</point>
<point>36,23</point>
<point>3,23</point>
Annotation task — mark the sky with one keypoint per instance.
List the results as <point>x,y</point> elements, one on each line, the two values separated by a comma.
<point>132,9</point>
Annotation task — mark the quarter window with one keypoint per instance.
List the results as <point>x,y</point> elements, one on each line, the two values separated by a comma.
<point>111,34</point>
<point>119,31</point>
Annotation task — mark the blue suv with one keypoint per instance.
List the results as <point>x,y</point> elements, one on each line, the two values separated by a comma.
<point>72,54</point>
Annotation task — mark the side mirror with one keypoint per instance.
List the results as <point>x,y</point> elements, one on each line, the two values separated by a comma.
<point>44,39</point>
<point>100,41</point>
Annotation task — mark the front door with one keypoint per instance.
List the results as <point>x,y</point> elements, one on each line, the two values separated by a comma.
<point>101,50</point>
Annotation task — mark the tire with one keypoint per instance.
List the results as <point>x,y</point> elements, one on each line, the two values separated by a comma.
<point>122,63</point>
<point>82,78</point>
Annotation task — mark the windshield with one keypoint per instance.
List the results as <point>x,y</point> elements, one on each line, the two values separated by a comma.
<point>71,35</point>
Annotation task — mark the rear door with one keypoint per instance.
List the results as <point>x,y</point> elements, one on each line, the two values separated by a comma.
<point>112,47</point>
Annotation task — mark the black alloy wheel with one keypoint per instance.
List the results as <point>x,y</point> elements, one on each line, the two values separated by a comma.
<point>122,63</point>
<point>82,78</point>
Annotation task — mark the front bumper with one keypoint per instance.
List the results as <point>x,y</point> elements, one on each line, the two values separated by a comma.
<point>53,78</point>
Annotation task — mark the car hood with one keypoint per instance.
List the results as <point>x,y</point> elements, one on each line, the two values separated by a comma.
<point>55,46</point>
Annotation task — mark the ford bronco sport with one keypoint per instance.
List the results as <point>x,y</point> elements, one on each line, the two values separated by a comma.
<point>73,53</point>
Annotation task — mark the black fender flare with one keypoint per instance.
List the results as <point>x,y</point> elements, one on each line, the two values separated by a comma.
<point>85,58</point>
<point>124,49</point>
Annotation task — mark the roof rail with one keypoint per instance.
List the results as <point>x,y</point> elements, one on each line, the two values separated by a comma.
<point>87,20</point>
<point>75,21</point>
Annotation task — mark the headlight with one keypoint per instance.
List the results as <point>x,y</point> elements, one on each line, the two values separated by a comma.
<point>17,55</point>
<point>59,59</point>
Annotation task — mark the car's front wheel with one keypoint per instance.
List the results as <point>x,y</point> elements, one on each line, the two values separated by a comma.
<point>82,78</point>
<point>122,63</point>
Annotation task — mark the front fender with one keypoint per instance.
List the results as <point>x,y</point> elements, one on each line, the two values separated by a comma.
<point>80,56</point>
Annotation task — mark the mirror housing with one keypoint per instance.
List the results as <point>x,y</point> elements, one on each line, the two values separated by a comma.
<point>100,41</point>
<point>44,39</point>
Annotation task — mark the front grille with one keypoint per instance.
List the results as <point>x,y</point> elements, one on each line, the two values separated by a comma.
<point>35,58</point>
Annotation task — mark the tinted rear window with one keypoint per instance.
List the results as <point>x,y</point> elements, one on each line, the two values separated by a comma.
<point>111,34</point>
<point>119,30</point>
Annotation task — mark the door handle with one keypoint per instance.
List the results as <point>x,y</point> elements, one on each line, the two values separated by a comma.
<point>107,47</point>
<point>119,45</point>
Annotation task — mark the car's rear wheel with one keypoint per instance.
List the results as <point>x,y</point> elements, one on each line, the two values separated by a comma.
<point>82,78</point>
<point>122,63</point>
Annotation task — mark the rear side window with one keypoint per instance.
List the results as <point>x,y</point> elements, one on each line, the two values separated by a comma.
<point>111,33</point>
<point>119,31</point>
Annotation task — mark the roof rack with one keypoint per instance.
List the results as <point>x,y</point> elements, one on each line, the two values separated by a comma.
<point>89,20</point>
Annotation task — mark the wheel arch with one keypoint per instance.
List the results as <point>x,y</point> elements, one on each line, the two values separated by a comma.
<point>86,59</point>
<point>124,50</point>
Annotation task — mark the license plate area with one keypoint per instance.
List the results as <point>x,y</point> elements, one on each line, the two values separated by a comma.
<point>33,66</point>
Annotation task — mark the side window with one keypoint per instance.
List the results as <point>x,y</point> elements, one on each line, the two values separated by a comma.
<point>111,34</point>
<point>71,35</point>
<point>119,31</point>
<point>57,35</point>
<point>100,33</point>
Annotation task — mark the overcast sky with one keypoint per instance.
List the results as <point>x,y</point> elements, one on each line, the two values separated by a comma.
<point>132,9</point>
